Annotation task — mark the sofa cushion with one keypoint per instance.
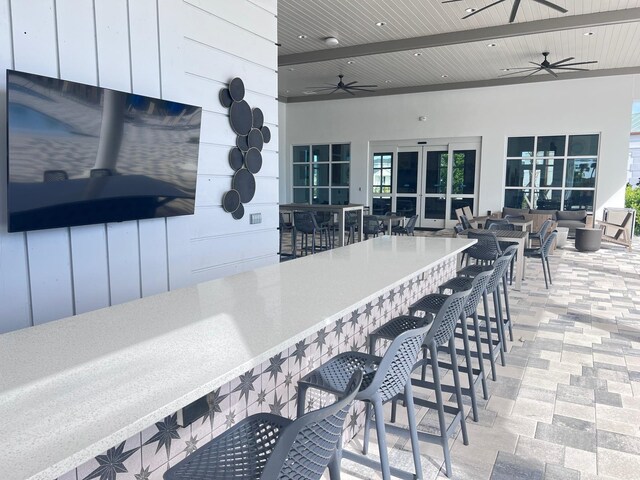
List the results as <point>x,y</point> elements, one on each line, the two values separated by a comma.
<point>578,215</point>
<point>514,211</point>
<point>571,224</point>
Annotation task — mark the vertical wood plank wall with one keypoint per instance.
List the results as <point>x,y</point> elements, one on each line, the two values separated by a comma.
<point>182,50</point>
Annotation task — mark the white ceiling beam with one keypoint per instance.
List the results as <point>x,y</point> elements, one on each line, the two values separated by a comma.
<point>472,84</point>
<point>465,36</point>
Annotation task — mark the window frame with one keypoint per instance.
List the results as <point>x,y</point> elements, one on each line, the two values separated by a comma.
<point>313,166</point>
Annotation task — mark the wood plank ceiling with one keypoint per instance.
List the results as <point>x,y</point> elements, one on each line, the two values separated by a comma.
<point>451,52</point>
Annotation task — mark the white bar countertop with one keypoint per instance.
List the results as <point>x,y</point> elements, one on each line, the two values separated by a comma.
<point>73,388</point>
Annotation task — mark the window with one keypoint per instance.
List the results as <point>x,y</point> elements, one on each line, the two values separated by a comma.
<point>555,172</point>
<point>321,174</point>
<point>382,181</point>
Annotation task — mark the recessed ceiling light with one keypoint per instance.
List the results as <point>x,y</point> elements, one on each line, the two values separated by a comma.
<point>588,34</point>
<point>302,36</point>
<point>331,41</point>
<point>308,92</point>
<point>387,81</point>
<point>470,10</point>
<point>444,76</point>
<point>417,54</point>
<point>380,24</point>
<point>351,62</point>
<point>287,91</point>
<point>492,44</point>
<point>291,69</point>
<point>505,69</point>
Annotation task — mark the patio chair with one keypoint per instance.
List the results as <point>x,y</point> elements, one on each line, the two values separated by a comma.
<point>618,233</point>
<point>543,254</point>
<point>407,229</point>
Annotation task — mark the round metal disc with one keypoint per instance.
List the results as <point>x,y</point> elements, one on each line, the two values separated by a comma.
<point>242,142</point>
<point>240,117</point>
<point>231,201</point>
<point>236,158</point>
<point>266,134</point>
<point>236,89</point>
<point>258,118</point>
<point>239,213</point>
<point>225,98</point>
<point>245,183</point>
<point>255,139</point>
<point>253,160</point>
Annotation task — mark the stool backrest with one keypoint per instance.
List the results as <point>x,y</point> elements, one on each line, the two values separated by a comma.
<point>548,241</point>
<point>411,224</point>
<point>501,226</point>
<point>478,286</point>
<point>306,446</point>
<point>447,318</point>
<point>371,225</point>
<point>305,222</point>
<point>465,222</point>
<point>396,365</point>
<point>495,221</point>
<point>499,268</point>
<point>542,233</point>
<point>487,247</point>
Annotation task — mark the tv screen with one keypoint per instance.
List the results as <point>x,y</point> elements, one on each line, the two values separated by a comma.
<point>80,154</point>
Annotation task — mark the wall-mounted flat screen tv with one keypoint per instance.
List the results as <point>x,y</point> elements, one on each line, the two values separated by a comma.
<point>80,154</point>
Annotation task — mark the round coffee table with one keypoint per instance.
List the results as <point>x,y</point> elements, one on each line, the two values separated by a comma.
<point>588,239</point>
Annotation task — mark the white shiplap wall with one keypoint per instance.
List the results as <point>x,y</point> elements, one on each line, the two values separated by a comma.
<point>179,50</point>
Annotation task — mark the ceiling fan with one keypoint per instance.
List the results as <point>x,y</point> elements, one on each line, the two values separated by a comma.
<point>514,9</point>
<point>346,87</point>
<point>550,67</point>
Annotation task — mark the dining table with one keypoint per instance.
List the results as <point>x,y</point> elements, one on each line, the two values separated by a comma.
<point>389,220</point>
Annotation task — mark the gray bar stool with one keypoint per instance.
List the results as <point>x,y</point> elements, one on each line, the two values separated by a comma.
<point>269,447</point>
<point>441,333</point>
<point>431,304</point>
<point>384,378</point>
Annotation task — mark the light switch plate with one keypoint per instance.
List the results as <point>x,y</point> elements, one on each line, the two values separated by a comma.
<point>255,218</point>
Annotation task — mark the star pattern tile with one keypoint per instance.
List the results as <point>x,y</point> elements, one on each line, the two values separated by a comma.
<point>144,474</point>
<point>277,406</point>
<point>300,351</point>
<point>321,338</point>
<point>247,380</point>
<point>214,399</point>
<point>167,432</point>
<point>275,366</point>
<point>230,419</point>
<point>111,463</point>
<point>191,445</point>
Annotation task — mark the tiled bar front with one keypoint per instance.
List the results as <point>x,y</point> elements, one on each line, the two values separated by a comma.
<point>271,387</point>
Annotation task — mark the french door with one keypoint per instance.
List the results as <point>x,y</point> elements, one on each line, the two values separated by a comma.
<point>431,181</point>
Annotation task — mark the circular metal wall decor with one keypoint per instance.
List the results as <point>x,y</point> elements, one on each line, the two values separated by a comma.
<point>245,183</point>
<point>266,134</point>
<point>255,139</point>
<point>241,117</point>
<point>258,118</point>
<point>231,201</point>
<point>246,158</point>
<point>242,141</point>
<point>253,160</point>
<point>236,158</point>
<point>236,89</point>
<point>225,98</point>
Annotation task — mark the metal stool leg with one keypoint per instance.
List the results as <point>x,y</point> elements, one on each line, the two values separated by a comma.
<point>487,325</point>
<point>382,440</point>
<point>413,429</point>
<point>499,321</point>
<point>456,382</point>
<point>506,306</point>
<point>467,356</point>
<point>476,328</point>
<point>444,440</point>
<point>367,428</point>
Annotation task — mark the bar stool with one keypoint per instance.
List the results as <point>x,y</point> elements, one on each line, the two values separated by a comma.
<point>306,224</point>
<point>384,378</point>
<point>431,304</point>
<point>268,447</point>
<point>493,288</point>
<point>441,333</point>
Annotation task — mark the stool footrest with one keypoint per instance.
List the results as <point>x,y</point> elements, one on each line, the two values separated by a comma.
<point>375,465</point>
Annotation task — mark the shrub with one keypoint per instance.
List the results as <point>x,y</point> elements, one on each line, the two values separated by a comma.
<point>632,200</point>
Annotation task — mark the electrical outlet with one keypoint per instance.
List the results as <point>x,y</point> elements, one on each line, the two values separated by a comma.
<point>255,218</point>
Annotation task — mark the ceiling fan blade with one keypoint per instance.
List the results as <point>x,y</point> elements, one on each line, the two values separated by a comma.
<point>333,91</point>
<point>562,61</point>
<point>451,1</point>
<point>573,69</point>
<point>349,92</point>
<point>324,88</point>
<point>483,8</point>
<point>551,5</point>
<point>551,72</point>
<point>518,73</point>
<point>362,89</point>
<point>514,11</point>
<point>539,65</point>
<point>579,63</point>
<point>365,86</point>
<point>350,83</point>
<point>532,73</point>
